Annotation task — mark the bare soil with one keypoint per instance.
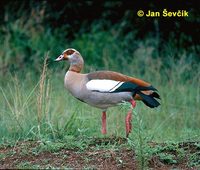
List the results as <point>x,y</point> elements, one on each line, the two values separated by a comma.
<point>23,155</point>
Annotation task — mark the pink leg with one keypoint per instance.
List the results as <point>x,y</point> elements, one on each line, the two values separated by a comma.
<point>103,118</point>
<point>129,118</point>
<point>128,123</point>
<point>133,103</point>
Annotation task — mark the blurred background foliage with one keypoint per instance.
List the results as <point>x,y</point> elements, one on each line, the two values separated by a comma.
<point>109,34</point>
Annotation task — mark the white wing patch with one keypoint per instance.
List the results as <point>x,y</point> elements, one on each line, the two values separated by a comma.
<point>103,85</point>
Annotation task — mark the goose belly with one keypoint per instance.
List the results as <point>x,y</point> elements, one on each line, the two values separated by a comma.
<point>105,100</point>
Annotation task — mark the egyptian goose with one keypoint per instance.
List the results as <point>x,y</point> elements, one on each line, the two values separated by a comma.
<point>103,89</point>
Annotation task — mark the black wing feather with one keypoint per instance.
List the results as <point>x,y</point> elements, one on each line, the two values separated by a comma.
<point>149,100</point>
<point>126,87</point>
<point>130,87</point>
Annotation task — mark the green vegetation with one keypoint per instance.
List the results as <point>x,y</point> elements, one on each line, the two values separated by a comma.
<point>35,105</point>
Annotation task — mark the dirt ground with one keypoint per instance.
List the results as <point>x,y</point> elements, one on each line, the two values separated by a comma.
<point>25,155</point>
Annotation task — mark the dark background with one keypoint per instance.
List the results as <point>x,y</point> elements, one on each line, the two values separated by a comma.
<point>69,20</point>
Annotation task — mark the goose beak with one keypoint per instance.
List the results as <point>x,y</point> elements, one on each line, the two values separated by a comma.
<point>60,58</point>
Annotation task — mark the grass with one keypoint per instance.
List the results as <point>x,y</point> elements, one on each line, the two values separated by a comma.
<point>177,118</point>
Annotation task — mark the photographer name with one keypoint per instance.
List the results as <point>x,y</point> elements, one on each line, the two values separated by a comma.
<point>165,13</point>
